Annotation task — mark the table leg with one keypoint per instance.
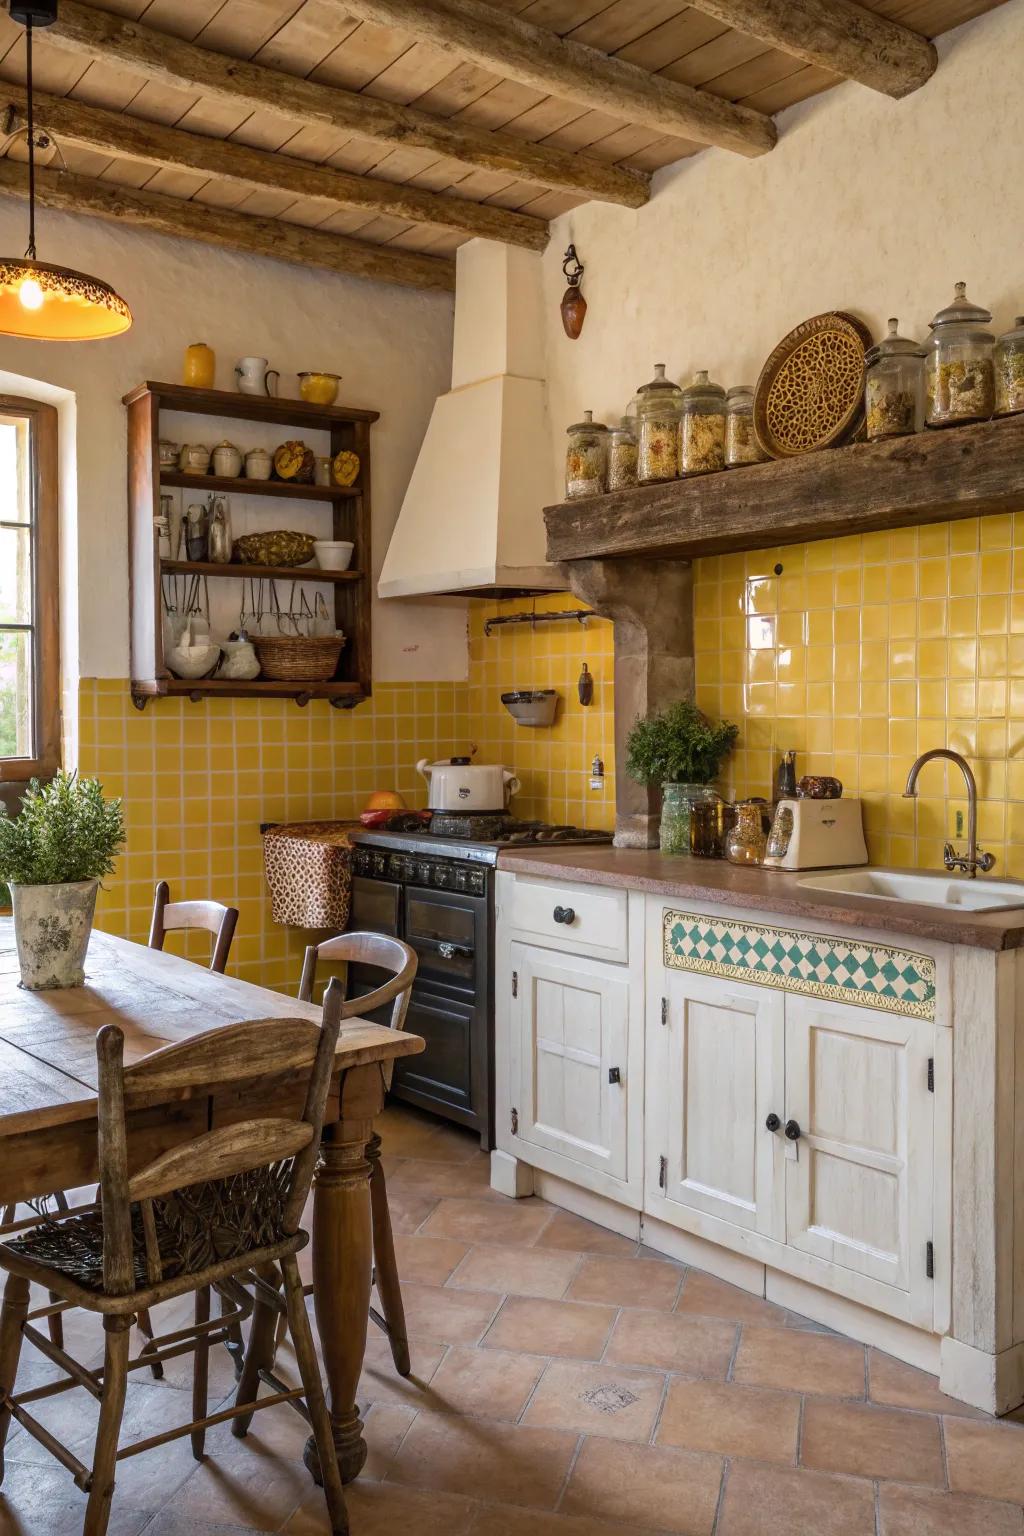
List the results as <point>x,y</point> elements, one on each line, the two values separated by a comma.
<point>342,1262</point>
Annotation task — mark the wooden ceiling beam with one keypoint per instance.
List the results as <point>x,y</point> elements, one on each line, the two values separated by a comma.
<point>115,133</point>
<point>125,44</point>
<point>294,243</point>
<point>537,57</point>
<point>837,35</point>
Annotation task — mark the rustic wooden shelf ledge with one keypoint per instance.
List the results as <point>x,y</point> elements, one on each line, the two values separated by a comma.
<point>256,572</point>
<point>343,695</point>
<point>932,477</point>
<point>243,487</point>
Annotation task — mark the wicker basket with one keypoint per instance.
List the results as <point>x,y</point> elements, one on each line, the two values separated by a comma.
<point>294,659</point>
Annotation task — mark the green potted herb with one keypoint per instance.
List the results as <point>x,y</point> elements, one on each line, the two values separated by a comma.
<point>682,750</point>
<point>53,856</point>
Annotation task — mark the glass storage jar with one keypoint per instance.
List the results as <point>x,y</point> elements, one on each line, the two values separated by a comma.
<point>677,802</point>
<point>894,386</point>
<point>1010,370</point>
<point>657,405</point>
<point>741,444</point>
<point>960,366</point>
<point>747,839</point>
<point>586,458</point>
<point>622,456</point>
<point>702,427</point>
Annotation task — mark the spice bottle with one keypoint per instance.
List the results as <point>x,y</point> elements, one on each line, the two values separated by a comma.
<point>1010,370</point>
<point>741,444</point>
<point>622,456</point>
<point>586,458</point>
<point>702,427</point>
<point>658,429</point>
<point>960,366</point>
<point>894,386</point>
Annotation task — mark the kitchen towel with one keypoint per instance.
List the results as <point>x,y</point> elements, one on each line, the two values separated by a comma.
<point>309,871</point>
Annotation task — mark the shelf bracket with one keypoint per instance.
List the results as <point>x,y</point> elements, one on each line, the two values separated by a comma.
<point>140,700</point>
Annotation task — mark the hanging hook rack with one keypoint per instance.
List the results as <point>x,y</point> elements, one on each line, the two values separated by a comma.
<point>581,615</point>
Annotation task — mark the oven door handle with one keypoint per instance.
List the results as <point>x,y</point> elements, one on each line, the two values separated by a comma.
<point>447,950</point>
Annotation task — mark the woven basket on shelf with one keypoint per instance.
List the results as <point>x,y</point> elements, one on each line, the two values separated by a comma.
<point>294,659</point>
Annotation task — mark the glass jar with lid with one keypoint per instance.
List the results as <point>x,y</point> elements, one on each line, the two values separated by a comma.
<point>747,839</point>
<point>1010,370</point>
<point>586,458</point>
<point>622,456</point>
<point>894,386</point>
<point>960,364</point>
<point>741,444</point>
<point>702,427</point>
<point>657,406</point>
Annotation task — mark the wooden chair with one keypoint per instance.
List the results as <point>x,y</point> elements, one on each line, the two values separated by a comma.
<point>386,954</point>
<point>211,1209</point>
<point>171,916</point>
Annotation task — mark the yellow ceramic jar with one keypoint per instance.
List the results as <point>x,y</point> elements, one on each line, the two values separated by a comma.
<point>200,365</point>
<point>319,388</point>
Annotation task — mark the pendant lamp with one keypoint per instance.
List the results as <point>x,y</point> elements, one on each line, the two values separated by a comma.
<point>38,301</point>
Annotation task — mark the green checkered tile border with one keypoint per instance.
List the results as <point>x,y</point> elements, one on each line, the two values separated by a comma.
<point>814,964</point>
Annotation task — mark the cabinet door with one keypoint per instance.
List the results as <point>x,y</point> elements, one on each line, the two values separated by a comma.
<point>568,1064</point>
<point>859,1181</point>
<point>715,1073</point>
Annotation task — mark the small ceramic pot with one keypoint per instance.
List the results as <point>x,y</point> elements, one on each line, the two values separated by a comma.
<point>227,460</point>
<point>200,365</point>
<point>168,454</point>
<point>319,388</point>
<point>52,927</point>
<point>239,660</point>
<point>195,660</point>
<point>258,464</point>
<point>194,458</point>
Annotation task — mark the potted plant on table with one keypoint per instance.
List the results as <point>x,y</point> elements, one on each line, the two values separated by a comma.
<point>682,750</point>
<point>53,856</point>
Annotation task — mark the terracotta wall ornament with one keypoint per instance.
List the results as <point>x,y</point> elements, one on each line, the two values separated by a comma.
<point>573,305</point>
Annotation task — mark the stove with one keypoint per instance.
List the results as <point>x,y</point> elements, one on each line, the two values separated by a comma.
<point>432,884</point>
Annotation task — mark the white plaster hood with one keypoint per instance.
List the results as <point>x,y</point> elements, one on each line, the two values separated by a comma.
<point>471,520</point>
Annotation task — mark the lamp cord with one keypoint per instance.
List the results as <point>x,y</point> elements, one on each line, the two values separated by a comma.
<point>31,252</point>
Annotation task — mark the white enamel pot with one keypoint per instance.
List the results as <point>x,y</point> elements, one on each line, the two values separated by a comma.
<point>456,784</point>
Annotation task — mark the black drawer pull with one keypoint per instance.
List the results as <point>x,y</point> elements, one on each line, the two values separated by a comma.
<point>793,1131</point>
<point>565,915</point>
<point>772,1123</point>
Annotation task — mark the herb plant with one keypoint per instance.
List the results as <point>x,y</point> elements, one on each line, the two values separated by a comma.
<point>679,745</point>
<point>65,831</point>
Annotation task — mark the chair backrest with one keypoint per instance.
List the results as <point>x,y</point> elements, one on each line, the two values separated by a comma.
<point>169,916</point>
<point>277,1152</point>
<point>374,949</point>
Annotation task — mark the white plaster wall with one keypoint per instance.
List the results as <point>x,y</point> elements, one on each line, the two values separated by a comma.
<point>866,204</point>
<point>392,345</point>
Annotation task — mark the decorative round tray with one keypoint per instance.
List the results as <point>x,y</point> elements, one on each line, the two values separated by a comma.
<point>810,393</point>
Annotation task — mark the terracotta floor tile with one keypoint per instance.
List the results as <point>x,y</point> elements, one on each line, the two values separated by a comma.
<point>799,1362</point>
<point>453,1317</point>
<point>627,1283</point>
<point>409,1208</point>
<point>916,1512</point>
<point>238,1487</point>
<point>486,1382</point>
<point>489,1221</point>
<point>901,1386</point>
<point>986,1458</point>
<point>764,1501</point>
<point>43,1501</point>
<point>512,1464</point>
<point>385,1426</point>
<point>516,1271</point>
<point>171,1522</point>
<point>381,1383</point>
<point>470,1180</point>
<point>384,1509</point>
<point>597,1400</point>
<point>408,1132</point>
<point>532,1324</point>
<point>864,1441</point>
<point>711,1297</point>
<point>430,1260</point>
<point>695,1346</point>
<point>497,1520</point>
<point>730,1420</point>
<point>568,1231</point>
<point>645,1485</point>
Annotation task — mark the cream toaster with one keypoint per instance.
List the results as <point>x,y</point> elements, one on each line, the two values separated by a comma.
<point>816,834</point>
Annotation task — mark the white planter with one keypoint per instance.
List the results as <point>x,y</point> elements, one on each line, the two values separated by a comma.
<point>52,926</point>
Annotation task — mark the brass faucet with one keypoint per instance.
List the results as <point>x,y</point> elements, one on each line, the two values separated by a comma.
<point>974,859</point>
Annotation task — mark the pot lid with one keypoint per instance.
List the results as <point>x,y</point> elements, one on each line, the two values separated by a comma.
<point>740,391</point>
<point>1016,332</point>
<point>895,345</point>
<point>659,386</point>
<point>961,311</point>
<point>703,390</point>
<point>588,424</point>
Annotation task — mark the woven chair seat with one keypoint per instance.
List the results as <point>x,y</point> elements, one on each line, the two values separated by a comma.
<point>196,1227</point>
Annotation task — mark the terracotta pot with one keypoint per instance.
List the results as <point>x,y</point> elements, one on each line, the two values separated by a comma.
<point>52,927</point>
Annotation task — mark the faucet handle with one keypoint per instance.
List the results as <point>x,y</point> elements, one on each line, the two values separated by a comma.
<point>949,857</point>
<point>984,861</point>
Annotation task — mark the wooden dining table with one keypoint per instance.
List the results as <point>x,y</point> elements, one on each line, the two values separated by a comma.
<point>48,1087</point>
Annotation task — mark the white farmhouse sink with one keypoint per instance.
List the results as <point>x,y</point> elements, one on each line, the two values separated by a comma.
<point>938,890</point>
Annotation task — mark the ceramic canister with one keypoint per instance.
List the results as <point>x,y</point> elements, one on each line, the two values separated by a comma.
<point>258,464</point>
<point>200,365</point>
<point>227,460</point>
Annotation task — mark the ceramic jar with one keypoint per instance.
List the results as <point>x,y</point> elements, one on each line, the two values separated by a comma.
<point>894,386</point>
<point>702,427</point>
<point>960,366</point>
<point>200,366</point>
<point>657,404</point>
<point>319,388</point>
<point>167,453</point>
<point>586,458</point>
<point>194,458</point>
<point>239,661</point>
<point>52,928</point>
<point>227,460</point>
<point>258,464</point>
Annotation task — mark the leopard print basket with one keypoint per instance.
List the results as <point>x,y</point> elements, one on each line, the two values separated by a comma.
<point>309,871</point>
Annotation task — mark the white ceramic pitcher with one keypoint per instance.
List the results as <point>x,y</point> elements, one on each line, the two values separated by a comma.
<point>254,377</point>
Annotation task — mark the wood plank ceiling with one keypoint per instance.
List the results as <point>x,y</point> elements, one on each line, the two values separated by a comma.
<point>325,44</point>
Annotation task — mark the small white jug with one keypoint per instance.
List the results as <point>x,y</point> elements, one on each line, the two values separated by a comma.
<point>254,376</point>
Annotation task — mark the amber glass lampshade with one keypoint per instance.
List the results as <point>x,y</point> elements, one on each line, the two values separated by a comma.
<point>45,303</point>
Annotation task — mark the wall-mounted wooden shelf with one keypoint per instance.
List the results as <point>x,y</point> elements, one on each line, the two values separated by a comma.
<point>932,477</point>
<point>341,694</point>
<point>243,487</point>
<point>257,572</point>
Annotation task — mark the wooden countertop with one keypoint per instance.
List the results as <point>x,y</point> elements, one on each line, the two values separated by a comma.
<point>763,890</point>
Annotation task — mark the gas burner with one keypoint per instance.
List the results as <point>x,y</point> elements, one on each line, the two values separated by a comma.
<point>493,827</point>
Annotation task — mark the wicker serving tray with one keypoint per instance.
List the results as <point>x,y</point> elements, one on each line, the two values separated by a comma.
<point>810,393</point>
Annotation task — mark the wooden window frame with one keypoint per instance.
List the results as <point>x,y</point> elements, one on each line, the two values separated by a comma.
<point>46,684</point>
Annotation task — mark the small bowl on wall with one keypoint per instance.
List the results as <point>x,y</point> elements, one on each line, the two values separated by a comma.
<point>531,706</point>
<point>334,554</point>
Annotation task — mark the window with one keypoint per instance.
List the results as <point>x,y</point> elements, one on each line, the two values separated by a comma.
<point>29,622</point>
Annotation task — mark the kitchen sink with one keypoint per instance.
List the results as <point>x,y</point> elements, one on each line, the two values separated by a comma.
<point>929,890</point>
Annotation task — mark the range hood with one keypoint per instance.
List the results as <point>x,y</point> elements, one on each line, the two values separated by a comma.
<point>471,521</point>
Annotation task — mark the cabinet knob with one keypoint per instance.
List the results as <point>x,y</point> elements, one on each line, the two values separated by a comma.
<point>793,1131</point>
<point>772,1123</point>
<point>565,915</point>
